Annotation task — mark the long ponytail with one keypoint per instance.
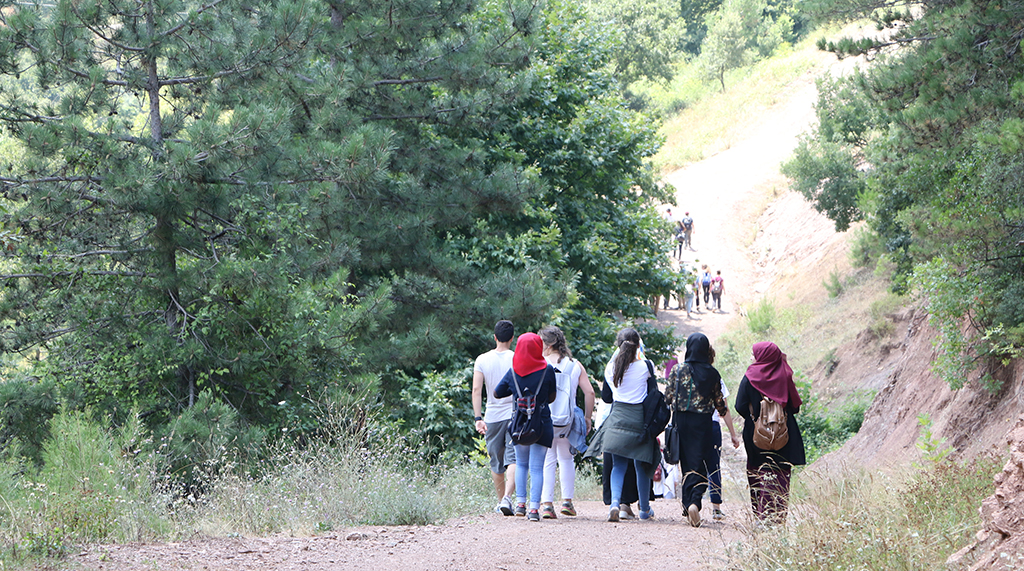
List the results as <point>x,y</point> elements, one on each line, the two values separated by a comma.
<point>628,342</point>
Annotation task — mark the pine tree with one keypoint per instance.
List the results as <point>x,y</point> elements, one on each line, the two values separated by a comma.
<point>252,198</point>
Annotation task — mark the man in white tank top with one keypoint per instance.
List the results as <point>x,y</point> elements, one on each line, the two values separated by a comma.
<point>488,370</point>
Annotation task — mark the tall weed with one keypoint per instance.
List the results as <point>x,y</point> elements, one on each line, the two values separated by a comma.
<point>98,485</point>
<point>93,486</point>
<point>873,521</point>
<point>761,317</point>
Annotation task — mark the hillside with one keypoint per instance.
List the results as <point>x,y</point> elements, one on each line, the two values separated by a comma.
<point>769,243</point>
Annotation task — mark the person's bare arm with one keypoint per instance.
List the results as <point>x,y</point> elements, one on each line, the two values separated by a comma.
<point>727,417</point>
<point>478,391</point>
<point>588,395</point>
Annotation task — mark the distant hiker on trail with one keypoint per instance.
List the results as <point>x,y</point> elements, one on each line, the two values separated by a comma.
<point>532,377</point>
<point>696,289</point>
<point>769,473</point>
<point>717,287</point>
<point>688,295</point>
<point>705,284</point>
<point>490,368</point>
<point>687,226</point>
<point>677,234</point>
<point>571,423</point>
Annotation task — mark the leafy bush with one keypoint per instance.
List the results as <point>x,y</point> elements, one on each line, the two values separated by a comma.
<point>834,285</point>
<point>437,410</point>
<point>205,440</point>
<point>826,428</point>
<point>27,406</point>
<point>92,485</point>
<point>761,317</point>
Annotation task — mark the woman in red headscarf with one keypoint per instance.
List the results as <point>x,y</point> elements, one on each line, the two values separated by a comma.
<point>769,472</point>
<point>535,377</point>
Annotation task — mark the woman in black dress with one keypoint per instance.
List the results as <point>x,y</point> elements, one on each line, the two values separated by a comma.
<point>769,473</point>
<point>694,393</point>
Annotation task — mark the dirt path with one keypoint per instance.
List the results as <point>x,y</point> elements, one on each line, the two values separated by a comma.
<point>488,541</point>
<point>725,194</point>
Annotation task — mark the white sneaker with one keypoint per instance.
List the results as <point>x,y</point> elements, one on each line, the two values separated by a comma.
<point>505,506</point>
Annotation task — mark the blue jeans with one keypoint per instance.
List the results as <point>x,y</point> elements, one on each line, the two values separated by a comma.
<point>530,460</point>
<point>643,483</point>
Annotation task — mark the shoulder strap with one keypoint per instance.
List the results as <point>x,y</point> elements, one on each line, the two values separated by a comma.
<point>651,383</point>
<point>515,379</point>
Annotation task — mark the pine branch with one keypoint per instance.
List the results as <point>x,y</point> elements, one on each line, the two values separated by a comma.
<point>406,81</point>
<point>186,22</point>
<point>76,273</point>
<point>27,117</point>
<point>22,182</point>
<point>104,253</point>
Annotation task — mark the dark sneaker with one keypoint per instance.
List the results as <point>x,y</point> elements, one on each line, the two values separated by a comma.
<point>567,508</point>
<point>533,516</point>
<point>548,512</point>
<point>613,513</point>
<point>520,509</point>
<point>717,515</point>
<point>505,506</point>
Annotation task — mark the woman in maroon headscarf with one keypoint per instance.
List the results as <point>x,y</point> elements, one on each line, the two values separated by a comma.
<point>768,473</point>
<point>535,377</point>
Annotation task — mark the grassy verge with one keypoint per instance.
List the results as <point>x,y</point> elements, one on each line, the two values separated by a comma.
<point>874,521</point>
<point>95,487</point>
<point>701,120</point>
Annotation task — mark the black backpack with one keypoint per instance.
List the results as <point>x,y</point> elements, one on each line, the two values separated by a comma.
<point>525,428</point>
<point>656,412</point>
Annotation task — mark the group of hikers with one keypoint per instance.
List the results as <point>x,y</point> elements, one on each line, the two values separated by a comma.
<point>703,283</point>
<point>694,283</point>
<point>542,373</point>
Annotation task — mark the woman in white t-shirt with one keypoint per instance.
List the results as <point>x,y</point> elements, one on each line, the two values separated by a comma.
<point>569,374</point>
<point>622,434</point>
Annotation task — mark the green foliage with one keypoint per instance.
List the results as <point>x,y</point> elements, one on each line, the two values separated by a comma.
<point>92,485</point>
<point>834,285</point>
<point>437,411</point>
<point>194,241</point>
<point>205,440</point>
<point>739,32</point>
<point>948,294</point>
<point>867,248</point>
<point>826,428</point>
<point>761,317</point>
<point>731,36</point>
<point>925,145</point>
<point>648,34</point>
<point>27,406</point>
<point>933,449</point>
<point>880,312</point>
<point>826,174</point>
